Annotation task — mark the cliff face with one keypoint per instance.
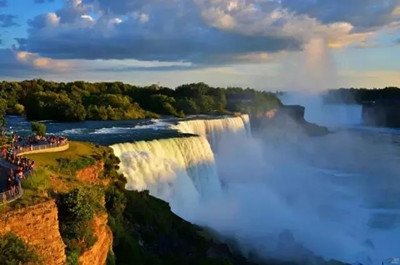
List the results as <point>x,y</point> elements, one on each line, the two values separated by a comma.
<point>91,174</point>
<point>38,226</point>
<point>288,119</point>
<point>97,254</point>
<point>382,115</point>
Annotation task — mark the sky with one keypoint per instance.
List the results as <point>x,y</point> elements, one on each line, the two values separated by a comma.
<point>263,44</point>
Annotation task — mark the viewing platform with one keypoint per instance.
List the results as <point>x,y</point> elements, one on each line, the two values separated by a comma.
<point>8,196</point>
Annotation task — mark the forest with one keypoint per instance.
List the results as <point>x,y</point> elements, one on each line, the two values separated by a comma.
<point>363,96</point>
<point>77,101</point>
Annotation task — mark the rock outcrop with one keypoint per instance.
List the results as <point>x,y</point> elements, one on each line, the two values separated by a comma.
<point>38,227</point>
<point>91,174</point>
<point>97,254</point>
<point>287,118</point>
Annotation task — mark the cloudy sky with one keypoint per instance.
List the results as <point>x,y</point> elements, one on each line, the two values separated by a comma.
<point>265,44</point>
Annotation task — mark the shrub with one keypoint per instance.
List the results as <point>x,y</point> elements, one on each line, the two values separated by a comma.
<point>67,166</point>
<point>18,109</point>
<point>73,258</point>
<point>76,210</point>
<point>37,180</point>
<point>111,258</point>
<point>14,251</point>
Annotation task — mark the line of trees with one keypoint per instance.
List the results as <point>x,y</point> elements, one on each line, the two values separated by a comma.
<point>77,101</point>
<point>363,95</point>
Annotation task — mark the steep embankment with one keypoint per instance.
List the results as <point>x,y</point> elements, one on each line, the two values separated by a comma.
<point>98,253</point>
<point>53,231</point>
<point>38,227</point>
<point>286,118</point>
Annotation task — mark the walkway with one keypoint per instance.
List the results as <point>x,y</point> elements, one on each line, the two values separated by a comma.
<point>5,166</point>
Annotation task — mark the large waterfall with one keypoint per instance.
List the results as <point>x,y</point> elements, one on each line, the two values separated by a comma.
<point>178,170</point>
<point>215,129</point>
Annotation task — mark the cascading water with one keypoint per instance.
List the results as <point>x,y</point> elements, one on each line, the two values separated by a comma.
<point>215,129</point>
<point>180,171</point>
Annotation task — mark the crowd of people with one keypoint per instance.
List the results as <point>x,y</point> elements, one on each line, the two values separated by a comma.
<point>19,167</point>
<point>30,143</point>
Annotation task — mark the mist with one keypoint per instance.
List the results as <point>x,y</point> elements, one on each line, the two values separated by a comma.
<point>286,195</point>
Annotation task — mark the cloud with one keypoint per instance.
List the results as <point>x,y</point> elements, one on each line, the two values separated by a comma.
<point>7,20</point>
<point>270,19</point>
<point>203,32</point>
<point>38,62</point>
<point>23,64</point>
<point>362,14</point>
<point>172,31</point>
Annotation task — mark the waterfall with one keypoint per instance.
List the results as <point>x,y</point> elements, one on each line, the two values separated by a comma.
<point>215,129</point>
<point>178,170</point>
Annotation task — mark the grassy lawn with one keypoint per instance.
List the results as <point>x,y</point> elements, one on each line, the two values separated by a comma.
<point>56,173</point>
<point>76,151</point>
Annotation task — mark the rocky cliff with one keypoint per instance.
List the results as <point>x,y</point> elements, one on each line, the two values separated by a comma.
<point>38,227</point>
<point>287,118</point>
<point>97,254</point>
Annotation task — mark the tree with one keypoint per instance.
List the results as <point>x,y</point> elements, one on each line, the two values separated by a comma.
<point>39,128</point>
<point>3,107</point>
<point>18,109</point>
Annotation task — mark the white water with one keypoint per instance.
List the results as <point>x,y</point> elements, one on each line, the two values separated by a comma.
<point>178,170</point>
<point>326,190</point>
<point>216,129</point>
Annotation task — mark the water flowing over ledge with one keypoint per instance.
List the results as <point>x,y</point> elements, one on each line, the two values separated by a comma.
<point>215,129</point>
<point>178,170</point>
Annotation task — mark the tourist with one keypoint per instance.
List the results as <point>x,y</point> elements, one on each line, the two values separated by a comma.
<point>10,182</point>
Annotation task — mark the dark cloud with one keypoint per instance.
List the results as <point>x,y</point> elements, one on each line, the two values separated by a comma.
<point>3,3</point>
<point>208,45</point>
<point>192,31</point>
<point>363,14</point>
<point>7,20</point>
<point>165,32</point>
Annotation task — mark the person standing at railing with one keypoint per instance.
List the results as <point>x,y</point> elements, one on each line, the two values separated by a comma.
<point>17,184</point>
<point>10,182</point>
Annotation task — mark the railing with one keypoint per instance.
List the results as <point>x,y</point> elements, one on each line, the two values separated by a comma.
<point>7,196</point>
<point>42,148</point>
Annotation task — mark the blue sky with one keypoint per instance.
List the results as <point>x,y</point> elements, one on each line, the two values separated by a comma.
<point>265,44</point>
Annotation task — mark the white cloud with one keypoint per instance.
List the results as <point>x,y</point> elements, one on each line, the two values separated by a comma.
<point>87,18</point>
<point>52,19</point>
<point>38,62</point>
<point>244,17</point>
<point>142,17</point>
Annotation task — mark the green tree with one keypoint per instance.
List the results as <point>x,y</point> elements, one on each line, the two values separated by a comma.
<point>18,109</point>
<point>3,108</point>
<point>39,128</point>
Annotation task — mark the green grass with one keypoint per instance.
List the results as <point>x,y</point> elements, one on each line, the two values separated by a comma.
<point>75,151</point>
<point>56,173</point>
<point>39,180</point>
